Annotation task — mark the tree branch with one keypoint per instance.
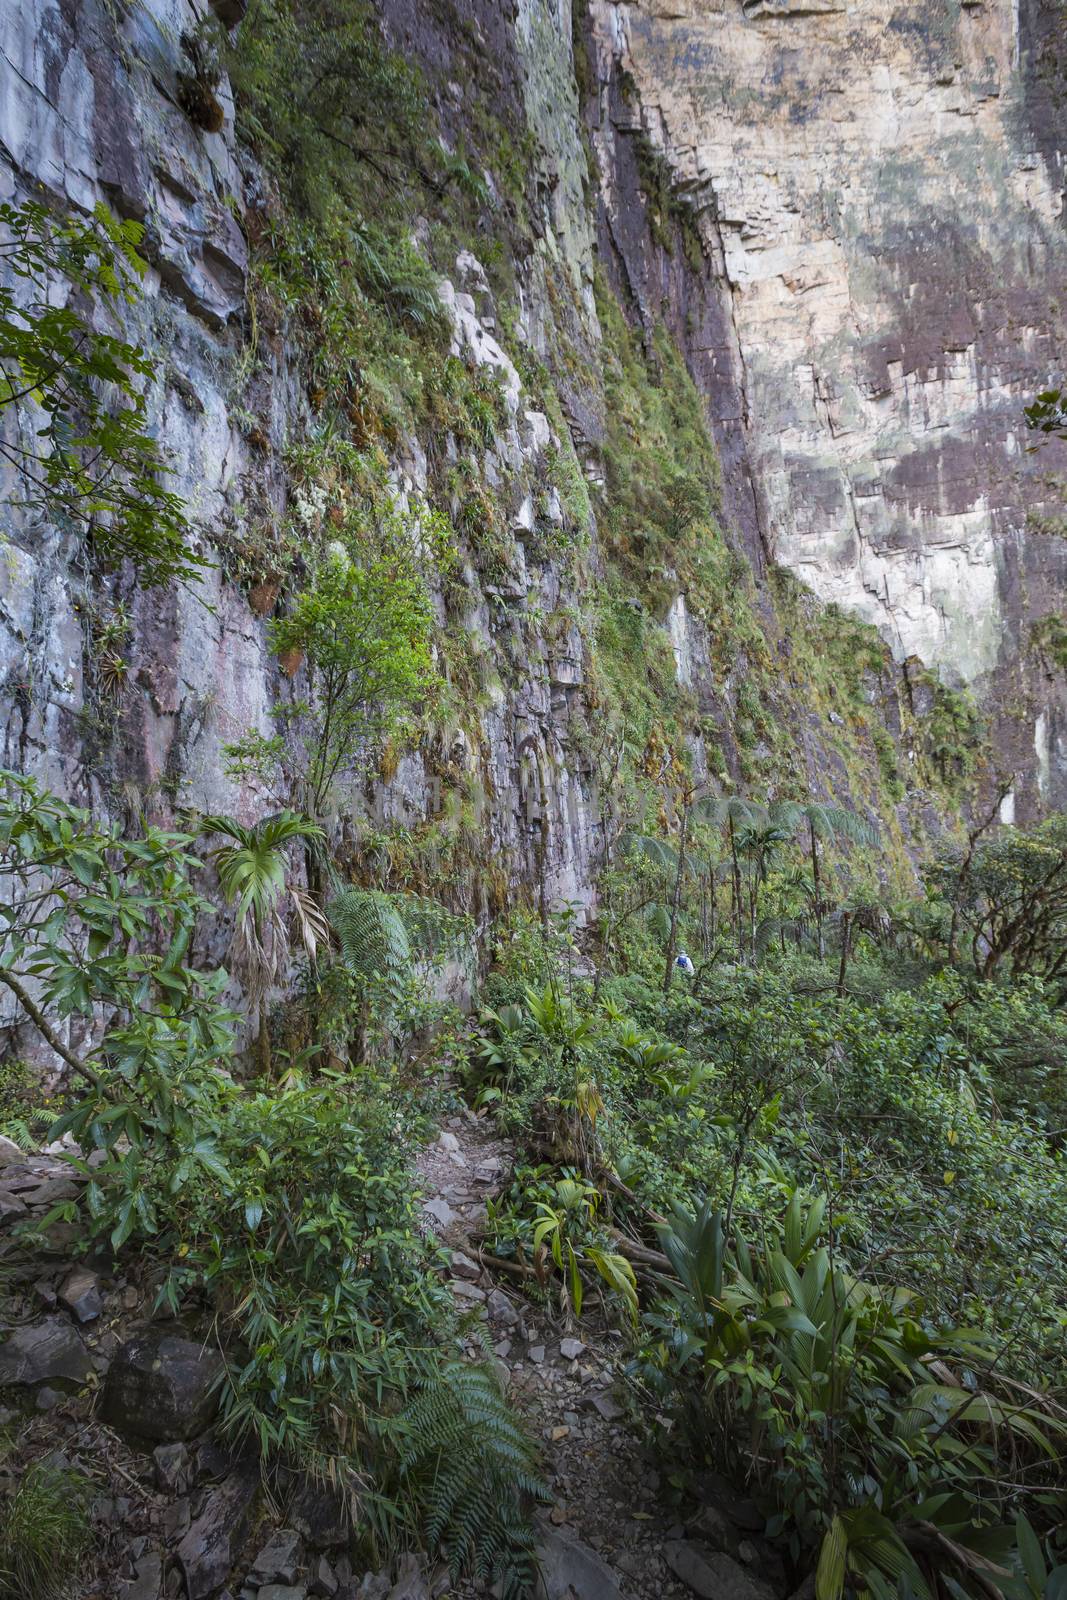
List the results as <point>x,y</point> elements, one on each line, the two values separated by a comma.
<point>47,1032</point>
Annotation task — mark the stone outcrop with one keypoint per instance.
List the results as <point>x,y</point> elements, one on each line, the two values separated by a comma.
<point>878,190</point>
<point>162,1386</point>
<point>860,257</point>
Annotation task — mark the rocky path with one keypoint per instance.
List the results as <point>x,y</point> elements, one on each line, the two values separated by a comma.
<point>89,1381</point>
<point>609,1533</point>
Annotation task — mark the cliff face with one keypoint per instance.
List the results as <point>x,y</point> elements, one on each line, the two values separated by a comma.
<point>880,186</point>
<point>842,220</point>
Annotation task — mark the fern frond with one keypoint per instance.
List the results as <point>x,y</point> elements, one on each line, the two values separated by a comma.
<point>370,930</point>
<point>473,1470</point>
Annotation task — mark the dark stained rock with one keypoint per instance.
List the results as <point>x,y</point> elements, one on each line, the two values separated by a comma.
<point>212,1544</point>
<point>229,12</point>
<point>320,1514</point>
<point>44,1352</point>
<point>148,1583</point>
<point>162,1386</point>
<point>280,1558</point>
<point>569,1568</point>
<point>80,1294</point>
<point>411,1581</point>
<point>173,1467</point>
<point>324,1581</point>
<point>711,1574</point>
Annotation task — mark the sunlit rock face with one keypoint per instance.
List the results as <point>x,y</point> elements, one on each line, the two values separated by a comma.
<point>880,186</point>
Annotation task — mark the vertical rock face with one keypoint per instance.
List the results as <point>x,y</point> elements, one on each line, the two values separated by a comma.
<point>880,184</point>
<point>90,111</point>
<point>848,215</point>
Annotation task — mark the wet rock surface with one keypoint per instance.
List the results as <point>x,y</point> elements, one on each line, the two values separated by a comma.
<point>39,1352</point>
<point>162,1385</point>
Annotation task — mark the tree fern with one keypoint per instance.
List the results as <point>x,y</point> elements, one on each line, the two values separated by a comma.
<point>471,1471</point>
<point>382,933</point>
<point>370,930</point>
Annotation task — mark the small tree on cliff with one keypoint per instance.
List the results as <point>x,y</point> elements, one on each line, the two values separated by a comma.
<point>73,416</point>
<point>364,634</point>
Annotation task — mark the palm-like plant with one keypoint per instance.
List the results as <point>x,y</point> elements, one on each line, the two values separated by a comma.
<point>820,822</point>
<point>733,813</point>
<point>759,842</point>
<point>252,871</point>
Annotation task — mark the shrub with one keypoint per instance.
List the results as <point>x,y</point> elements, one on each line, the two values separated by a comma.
<point>365,632</point>
<point>860,1428</point>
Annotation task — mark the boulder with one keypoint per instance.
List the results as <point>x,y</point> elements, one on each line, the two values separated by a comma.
<point>711,1574</point>
<point>325,1580</point>
<point>44,1352</point>
<point>440,1210</point>
<point>571,1571</point>
<point>212,1544</point>
<point>410,1582</point>
<point>162,1386</point>
<point>711,1526</point>
<point>375,1586</point>
<point>10,1152</point>
<point>80,1294</point>
<point>280,1558</point>
<point>173,1467</point>
<point>501,1310</point>
<point>148,1582</point>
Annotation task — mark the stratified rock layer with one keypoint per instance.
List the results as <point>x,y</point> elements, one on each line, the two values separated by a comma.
<point>879,187</point>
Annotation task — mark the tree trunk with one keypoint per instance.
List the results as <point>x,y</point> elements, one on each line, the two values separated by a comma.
<point>737,911</point>
<point>818,890</point>
<point>846,936</point>
<point>263,1042</point>
<point>672,940</point>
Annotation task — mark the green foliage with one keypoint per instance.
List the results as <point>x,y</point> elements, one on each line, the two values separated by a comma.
<point>1048,640</point>
<point>950,736</point>
<point>97,923</point>
<point>663,476</point>
<point>472,1469</point>
<point>883,1363</point>
<point>340,1350</point>
<point>1047,413</point>
<point>1010,893</point>
<point>313,1182</point>
<point>252,876</point>
<point>24,1115</point>
<point>289,1214</point>
<point>364,631</point>
<point>370,930</point>
<point>81,446</point>
<point>846,1412</point>
<point>346,129</point>
<point>44,1533</point>
<point>324,100</point>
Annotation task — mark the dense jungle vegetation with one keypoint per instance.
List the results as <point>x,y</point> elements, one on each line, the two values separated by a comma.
<point>792,1118</point>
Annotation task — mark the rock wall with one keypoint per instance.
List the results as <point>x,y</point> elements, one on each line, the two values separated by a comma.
<point>879,187</point>
<point>89,111</point>
<point>854,240</point>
